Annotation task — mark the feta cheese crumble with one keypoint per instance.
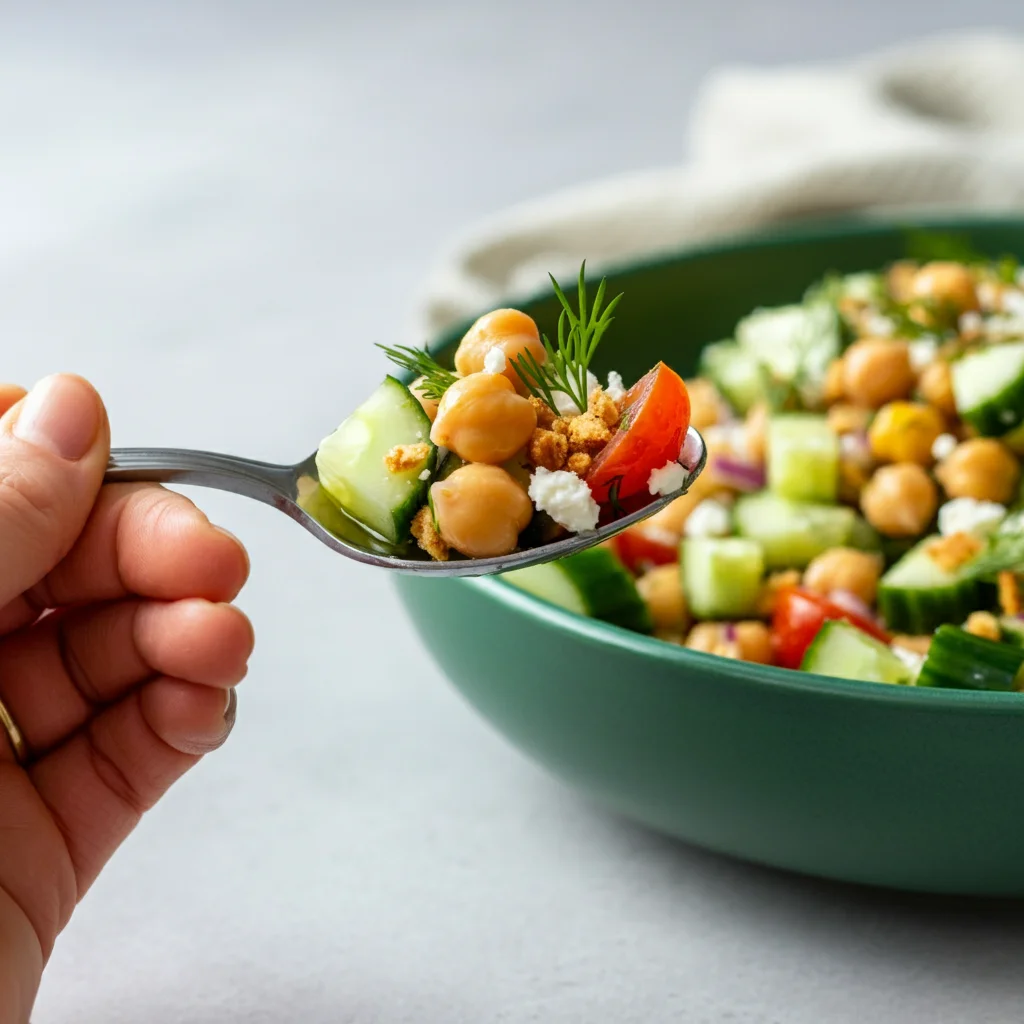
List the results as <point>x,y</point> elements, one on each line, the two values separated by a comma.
<point>616,390</point>
<point>565,406</point>
<point>669,478</point>
<point>922,352</point>
<point>911,659</point>
<point>971,323</point>
<point>495,361</point>
<point>880,326</point>
<point>728,438</point>
<point>565,497</point>
<point>1013,303</point>
<point>943,446</point>
<point>968,515</point>
<point>709,519</point>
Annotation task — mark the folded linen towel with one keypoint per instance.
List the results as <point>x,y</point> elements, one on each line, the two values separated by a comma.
<point>931,125</point>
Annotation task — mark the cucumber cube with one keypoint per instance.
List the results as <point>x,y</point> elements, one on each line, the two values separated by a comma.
<point>722,576</point>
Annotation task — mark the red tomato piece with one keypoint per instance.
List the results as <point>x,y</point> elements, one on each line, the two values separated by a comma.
<point>639,549</point>
<point>656,414</point>
<point>800,614</point>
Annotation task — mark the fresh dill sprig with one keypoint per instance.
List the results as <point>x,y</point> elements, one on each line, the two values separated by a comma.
<point>579,333</point>
<point>436,379</point>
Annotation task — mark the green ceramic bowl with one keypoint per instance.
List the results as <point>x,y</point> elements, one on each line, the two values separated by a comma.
<point>905,788</point>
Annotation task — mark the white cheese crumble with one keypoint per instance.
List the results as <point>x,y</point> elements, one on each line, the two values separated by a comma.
<point>971,322</point>
<point>495,361</point>
<point>728,438</point>
<point>880,326</point>
<point>1013,303</point>
<point>616,390</point>
<point>669,478</point>
<point>968,515</point>
<point>922,352</point>
<point>565,406</point>
<point>709,519</point>
<point>911,659</point>
<point>425,475</point>
<point>565,497</point>
<point>943,446</point>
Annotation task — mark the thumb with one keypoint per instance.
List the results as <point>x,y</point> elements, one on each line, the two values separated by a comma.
<point>54,446</point>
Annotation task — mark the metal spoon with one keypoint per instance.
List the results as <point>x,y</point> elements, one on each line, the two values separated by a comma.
<point>296,491</point>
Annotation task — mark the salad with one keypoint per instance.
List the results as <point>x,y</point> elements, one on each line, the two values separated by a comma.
<point>860,515</point>
<point>515,446</point>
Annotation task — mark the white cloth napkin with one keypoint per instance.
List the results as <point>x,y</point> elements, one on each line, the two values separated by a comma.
<point>938,123</point>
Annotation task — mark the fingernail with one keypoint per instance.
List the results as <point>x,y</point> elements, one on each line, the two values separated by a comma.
<point>60,414</point>
<point>231,708</point>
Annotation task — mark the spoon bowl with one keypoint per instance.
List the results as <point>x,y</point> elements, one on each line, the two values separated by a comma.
<point>296,491</point>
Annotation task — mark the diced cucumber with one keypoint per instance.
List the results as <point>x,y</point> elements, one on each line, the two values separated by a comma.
<point>1014,440</point>
<point>791,533</point>
<point>988,386</point>
<point>1012,630</point>
<point>796,343</point>
<point>352,468</point>
<point>803,458</point>
<point>845,652</point>
<point>592,583</point>
<point>917,594</point>
<point>864,537</point>
<point>448,465</point>
<point>722,576</point>
<point>961,661</point>
<point>736,373</point>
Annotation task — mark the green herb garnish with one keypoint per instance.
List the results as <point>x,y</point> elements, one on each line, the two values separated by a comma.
<point>579,333</point>
<point>436,379</point>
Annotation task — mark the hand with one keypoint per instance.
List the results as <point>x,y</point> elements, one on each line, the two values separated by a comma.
<point>117,660</point>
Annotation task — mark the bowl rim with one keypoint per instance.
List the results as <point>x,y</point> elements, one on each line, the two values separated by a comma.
<point>615,637</point>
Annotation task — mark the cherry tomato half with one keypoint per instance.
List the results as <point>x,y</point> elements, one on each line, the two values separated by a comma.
<point>800,614</point>
<point>640,548</point>
<point>656,414</point>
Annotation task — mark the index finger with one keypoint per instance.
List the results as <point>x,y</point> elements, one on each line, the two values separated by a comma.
<point>142,539</point>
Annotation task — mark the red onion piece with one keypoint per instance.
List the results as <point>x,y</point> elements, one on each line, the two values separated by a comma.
<point>737,474</point>
<point>852,603</point>
<point>729,630</point>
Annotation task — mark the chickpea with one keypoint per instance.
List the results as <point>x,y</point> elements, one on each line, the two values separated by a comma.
<point>981,468</point>
<point>900,280</point>
<point>706,404</point>
<point>848,419</point>
<point>429,404</point>
<point>482,419</point>
<point>480,510</point>
<point>876,371</point>
<point>905,432</point>
<point>662,589</point>
<point>943,290</point>
<point>914,644</point>
<point>900,500</point>
<point>746,641</point>
<point>508,329</point>
<point>936,387</point>
<point>856,572</point>
<point>835,383</point>
<point>756,429</point>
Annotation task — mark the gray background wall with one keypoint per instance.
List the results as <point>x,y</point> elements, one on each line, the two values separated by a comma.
<point>212,209</point>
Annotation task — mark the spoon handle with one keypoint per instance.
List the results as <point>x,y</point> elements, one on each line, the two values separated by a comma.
<point>263,481</point>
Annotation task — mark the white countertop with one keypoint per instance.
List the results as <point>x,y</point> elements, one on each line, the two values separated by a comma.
<point>212,211</point>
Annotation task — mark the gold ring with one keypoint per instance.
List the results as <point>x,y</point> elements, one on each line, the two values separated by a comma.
<point>14,734</point>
